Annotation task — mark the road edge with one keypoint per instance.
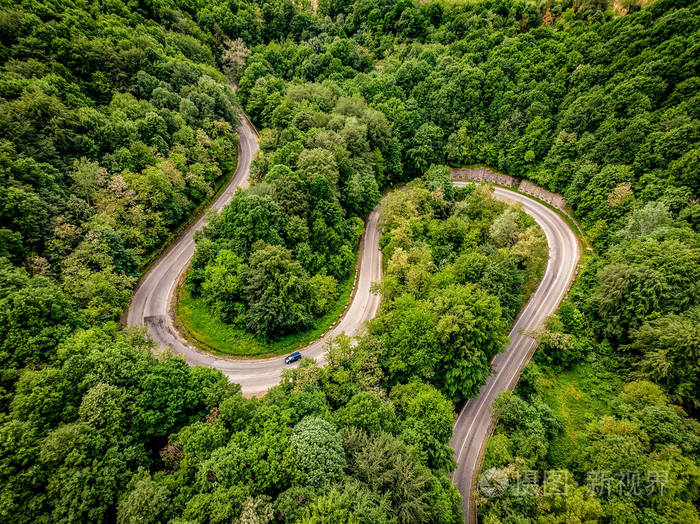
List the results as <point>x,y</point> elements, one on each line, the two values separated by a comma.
<point>580,241</point>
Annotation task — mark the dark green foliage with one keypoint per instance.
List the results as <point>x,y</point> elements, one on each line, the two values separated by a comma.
<point>669,347</point>
<point>116,124</point>
<point>278,292</point>
<point>646,276</point>
<point>246,220</point>
<point>89,423</point>
<point>113,128</point>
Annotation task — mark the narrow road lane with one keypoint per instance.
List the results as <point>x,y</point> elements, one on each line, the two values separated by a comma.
<point>473,424</point>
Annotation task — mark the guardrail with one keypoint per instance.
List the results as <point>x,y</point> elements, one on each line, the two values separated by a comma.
<point>484,174</point>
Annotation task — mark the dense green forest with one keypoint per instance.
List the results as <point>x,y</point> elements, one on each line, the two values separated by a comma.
<point>603,110</point>
<point>118,121</point>
<point>113,129</point>
<point>457,270</point>
<point>272,260</point>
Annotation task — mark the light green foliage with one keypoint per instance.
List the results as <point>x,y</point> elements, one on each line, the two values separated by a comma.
<point>256,510</point>
<point>144,501</point>
<point>325,292</point>
<point>223,286</point>
<point>318,163</point>
<point>558,349</point>
<point>448,295</point>
<point>504,229</point>
<point>102,407</point>
<point>367,412</point>
<point>438,177</point>
<point>319,450</point>
<point>85,177</point>
<point>645,276</point>
<point>651,218</point>
<point>642,432</point>
<point>220,506</point>
<point>428,420</point>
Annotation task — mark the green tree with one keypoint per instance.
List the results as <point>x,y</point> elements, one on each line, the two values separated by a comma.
<point>86,178</point>
<point>247,219</point>
<point>279,295</point>
<point>223,287</point>
<point>319,451</point>
<point>325,292</point>
<point>383,463</point>
<point>34,320</point>
<point>670,355</point>
<point>145,501</point>
<point>504,229</point>
<point>367,412</point>
<point>439,177</point>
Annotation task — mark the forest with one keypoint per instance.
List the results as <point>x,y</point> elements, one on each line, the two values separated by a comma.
<point>118,124</point>
<point>303,217</point>
<point>458,267</point>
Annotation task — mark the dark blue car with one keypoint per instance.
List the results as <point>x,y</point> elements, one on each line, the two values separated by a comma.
<point>292,358</point>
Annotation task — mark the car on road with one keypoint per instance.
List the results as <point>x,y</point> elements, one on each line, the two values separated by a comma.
<point>292,358</point>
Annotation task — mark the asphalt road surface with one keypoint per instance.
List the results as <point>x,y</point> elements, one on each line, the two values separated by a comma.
<point>152,302</point>
<point>152,299</point>
<point>474,422</point>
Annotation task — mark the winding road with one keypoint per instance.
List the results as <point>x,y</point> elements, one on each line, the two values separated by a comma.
<point>152,304</point>
<point>474,421</point>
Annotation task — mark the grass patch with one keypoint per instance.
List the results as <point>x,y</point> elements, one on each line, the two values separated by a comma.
<point>578,396</point>
<point>199,326</point>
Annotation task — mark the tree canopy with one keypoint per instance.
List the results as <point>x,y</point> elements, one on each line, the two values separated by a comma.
<point>118,122</point>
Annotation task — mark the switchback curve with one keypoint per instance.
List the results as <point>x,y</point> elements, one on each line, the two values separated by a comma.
<point>474,422</point>
<point>152,303</point>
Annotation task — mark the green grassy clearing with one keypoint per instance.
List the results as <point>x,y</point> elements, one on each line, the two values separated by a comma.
<point>197,323</point>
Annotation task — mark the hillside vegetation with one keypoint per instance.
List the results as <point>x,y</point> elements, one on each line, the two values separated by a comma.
<point>118,121</point>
